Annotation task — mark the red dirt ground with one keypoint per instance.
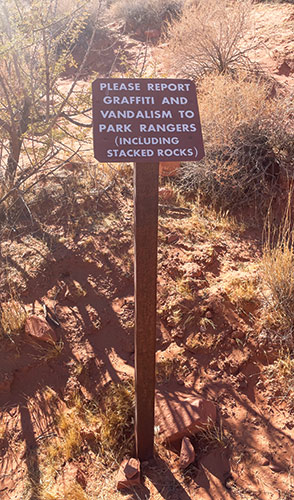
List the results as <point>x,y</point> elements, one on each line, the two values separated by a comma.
<point>77,259</point>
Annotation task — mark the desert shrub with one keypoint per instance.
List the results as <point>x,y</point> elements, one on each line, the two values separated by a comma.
<point>140,15</point>
<point>277,276</point>
<point>247,141</point>
<point>116,430</point>
<point>209,37</point>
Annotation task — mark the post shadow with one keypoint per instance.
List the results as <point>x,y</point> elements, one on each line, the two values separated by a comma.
<point>31,455</point>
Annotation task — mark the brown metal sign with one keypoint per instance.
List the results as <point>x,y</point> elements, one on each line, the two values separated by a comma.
<point>146,120</point>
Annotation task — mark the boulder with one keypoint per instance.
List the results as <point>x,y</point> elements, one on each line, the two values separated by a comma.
<point>179,414</point>
<point>39,329</point>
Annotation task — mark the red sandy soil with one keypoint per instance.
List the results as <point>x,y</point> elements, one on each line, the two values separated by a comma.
<point>78,261</point>
<point>87,280</point>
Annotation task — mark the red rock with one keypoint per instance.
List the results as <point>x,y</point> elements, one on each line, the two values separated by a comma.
<point>187,455</point>
<point>172,238</point>
<point>284,69</point>
<point>88,435</point>
<point>40,330</point>
<point>128,474</point>
<point>169,168</point>
<point>192,270</point>
<point>166,194</point>
<point>132,468</point>
<point>81,479</point>
<point>178,414</point>
<point>276,468</point>
<point>218,465</point>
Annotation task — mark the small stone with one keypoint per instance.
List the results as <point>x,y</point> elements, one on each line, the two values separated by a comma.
<point>239,334</point>
<point>192,270</point>
<point>214,365</point>
<point>187,455</point>
<point>172,238</point>
<point>132,468</point>
<point>284,69</point>
<point>208,314</point>
<point>290,425</point>
<point>265,462</point>
<point>128,474</point>
<point>81,479</point>
<point>87,435</point>
<point>166,194</point>
<point>276,468</point>
<point>39,329</point>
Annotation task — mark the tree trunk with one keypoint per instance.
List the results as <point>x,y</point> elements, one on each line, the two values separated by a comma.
<point>15,143</point>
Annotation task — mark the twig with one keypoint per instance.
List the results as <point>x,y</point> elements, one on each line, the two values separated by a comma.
<point>22,180</point>
<point>176,209</point>
<point>42,177</point>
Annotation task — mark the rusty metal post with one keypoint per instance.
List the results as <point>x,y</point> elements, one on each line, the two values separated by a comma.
<point>146,227</point>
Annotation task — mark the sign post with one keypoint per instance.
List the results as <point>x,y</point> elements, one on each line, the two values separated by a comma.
<point>147,122</point>
<point>146,222</point>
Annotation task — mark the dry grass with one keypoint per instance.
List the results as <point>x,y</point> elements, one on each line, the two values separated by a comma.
<point>166,368</point>
<point>208,37</point>
<point>248,140</point>
<point>278,276</point>
<point>71,492</point>
<point>203,340</point>
<point>105,430</point>
<point>215,436</point>
<point>12,318</point>
<point>140,15</point>
<point>111,422</point>
<point>280,375</point>
<point>116,428</point>
<point>242,287</point>
<point>277,268</point>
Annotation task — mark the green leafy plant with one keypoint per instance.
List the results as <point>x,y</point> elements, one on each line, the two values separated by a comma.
<point>37,39</point>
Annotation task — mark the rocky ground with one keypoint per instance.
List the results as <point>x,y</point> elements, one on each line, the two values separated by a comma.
<point>76,259</point>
